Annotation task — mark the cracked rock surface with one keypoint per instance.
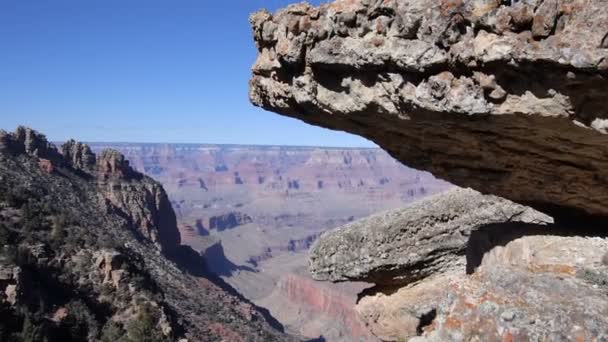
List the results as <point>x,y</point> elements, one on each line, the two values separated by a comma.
<point>506,97</point>
<point>462,266</point>
<point>402,246</point>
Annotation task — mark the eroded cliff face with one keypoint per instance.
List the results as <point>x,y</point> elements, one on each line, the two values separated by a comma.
<point>89,251</point>
<point>505,97</point>
<point>139,198</point>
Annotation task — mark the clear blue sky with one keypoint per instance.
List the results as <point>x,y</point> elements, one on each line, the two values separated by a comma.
<point>139,70</point>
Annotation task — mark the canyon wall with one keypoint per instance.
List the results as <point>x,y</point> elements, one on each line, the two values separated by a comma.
<point>90,250</point>
<point>255,231</point>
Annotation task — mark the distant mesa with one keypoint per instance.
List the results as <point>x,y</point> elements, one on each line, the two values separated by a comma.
<point>229,221</point>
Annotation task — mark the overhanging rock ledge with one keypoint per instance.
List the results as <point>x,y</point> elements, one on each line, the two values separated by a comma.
<point>506,97</point>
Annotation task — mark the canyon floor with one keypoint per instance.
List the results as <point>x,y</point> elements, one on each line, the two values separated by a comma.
<point>254,211</point>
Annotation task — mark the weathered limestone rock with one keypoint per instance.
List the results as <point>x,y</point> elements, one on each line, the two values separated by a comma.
<point>28,141</point>
<point>402,246</point>
<point>144,202</point>
<point>78,155</point>
<point>534,287</point>
<point>123,190</point>
<point>112,164</point>
<point>462,266</point>
<point>109,265</point>
<point>504,97</point>
<point>10,284</point>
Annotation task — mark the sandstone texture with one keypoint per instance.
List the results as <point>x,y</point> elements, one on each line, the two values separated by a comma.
<point>506,97</point>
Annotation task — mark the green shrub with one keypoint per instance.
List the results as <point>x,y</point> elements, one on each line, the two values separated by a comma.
<point>80,322</point>
<point>145,327</point>
<point>112,332</point>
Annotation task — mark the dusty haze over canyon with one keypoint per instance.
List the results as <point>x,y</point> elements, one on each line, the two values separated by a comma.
<point>254,211</point>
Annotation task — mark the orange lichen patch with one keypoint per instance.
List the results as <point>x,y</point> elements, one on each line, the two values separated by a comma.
<point>556,269</point>
<point>507,337</point>
<point>448,5</point>
<point>484,9</point>
<point>452,323</point>
<point>490,297</point>
<point>470,305</point>
<point>46,165</point>
<point>580,337</point>
<point>569,8</point>
<point>345,6</point>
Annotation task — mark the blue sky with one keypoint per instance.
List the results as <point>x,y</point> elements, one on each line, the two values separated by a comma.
<point>139,70</point>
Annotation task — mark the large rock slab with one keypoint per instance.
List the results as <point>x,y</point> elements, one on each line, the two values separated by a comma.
<point>534,288</point>
<point>402,246</point>
<point>503,97</point>
<point>462,266</point>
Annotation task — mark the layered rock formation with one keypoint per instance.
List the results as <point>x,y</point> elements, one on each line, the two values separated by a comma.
<point>504,97</point>
<point>292,194</point>
<point>89,251</point>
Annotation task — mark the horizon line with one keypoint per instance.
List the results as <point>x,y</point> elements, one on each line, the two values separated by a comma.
<point>194,144</point>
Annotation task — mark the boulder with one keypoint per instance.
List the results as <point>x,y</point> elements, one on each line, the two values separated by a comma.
<point>112,164</point>
<point>503,97</point>
<point>402,246</point>
<point>463,266</point>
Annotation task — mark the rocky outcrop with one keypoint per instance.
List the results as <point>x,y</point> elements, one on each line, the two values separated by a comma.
<point>403,246</point>
<point>10,284</point>
<point>147,207</point>
<point>455,267</point>
<point>112,164</point>
<point>27,141</point>
<point>535,287</point>
<point>125,191</point>
<point>78,155</point>
<point>229,221</point>
<point>503,97</point>
<point>80,255</point>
